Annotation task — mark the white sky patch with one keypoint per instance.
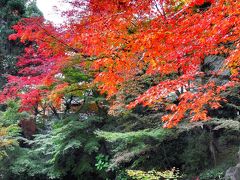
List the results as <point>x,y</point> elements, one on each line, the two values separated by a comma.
<point>48,8</point>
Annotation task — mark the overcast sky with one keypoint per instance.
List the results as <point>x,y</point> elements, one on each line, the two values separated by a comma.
<point>47,7</point>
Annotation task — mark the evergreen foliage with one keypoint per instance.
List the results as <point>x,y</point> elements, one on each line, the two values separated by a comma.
<point>67,150</point>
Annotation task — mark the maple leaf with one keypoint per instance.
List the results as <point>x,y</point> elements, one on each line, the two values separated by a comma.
<point>118,42</point>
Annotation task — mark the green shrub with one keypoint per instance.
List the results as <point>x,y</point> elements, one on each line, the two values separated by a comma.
<point>154,175</point>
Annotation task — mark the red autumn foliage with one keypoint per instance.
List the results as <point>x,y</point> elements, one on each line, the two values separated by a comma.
<point>125,38</point>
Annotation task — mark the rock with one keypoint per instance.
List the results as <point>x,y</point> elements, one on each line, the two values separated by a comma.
<point>214,64</point>
<point>233,173</point>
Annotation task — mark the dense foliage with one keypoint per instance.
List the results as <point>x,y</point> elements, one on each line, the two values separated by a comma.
<point>123,89</point>
<point>11,12</point>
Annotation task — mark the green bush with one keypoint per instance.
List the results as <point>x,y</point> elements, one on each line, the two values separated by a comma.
<point>154,175</point>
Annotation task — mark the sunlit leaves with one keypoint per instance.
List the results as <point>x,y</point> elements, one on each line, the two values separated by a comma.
<point>112,43</point>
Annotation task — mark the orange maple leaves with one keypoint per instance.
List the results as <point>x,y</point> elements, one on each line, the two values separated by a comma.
<point>174,44</point>
<point>126,39</point>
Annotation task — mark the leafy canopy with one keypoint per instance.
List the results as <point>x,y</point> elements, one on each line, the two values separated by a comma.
<point>116,42</point>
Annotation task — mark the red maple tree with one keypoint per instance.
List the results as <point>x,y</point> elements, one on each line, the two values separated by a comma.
<point>121,40</point>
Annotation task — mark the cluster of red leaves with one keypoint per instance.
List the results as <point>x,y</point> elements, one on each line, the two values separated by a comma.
<point>171,42</point>
<point>41,61</point>
<point>126,38</point>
